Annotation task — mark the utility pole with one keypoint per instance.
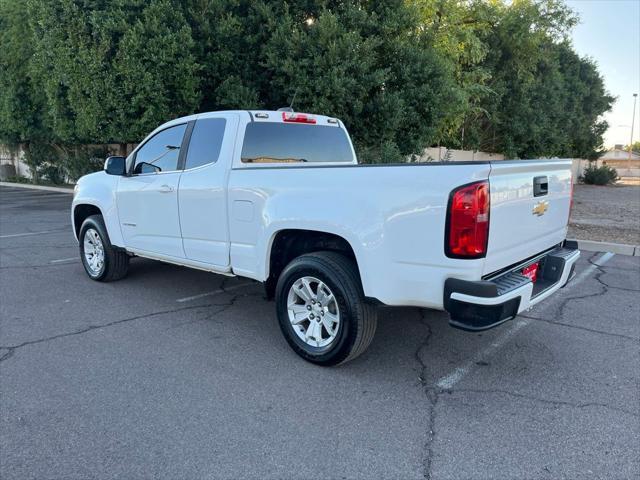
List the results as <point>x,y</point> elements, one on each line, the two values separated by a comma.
<point>633,119</point>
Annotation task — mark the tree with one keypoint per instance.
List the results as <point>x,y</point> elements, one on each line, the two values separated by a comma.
<point>112,71</point>
<point>362,61</point>
<point>21,100</point>
<point>457,30</point>
<point>401,74</point>
<point>635,147</point>
<point>528,93</point>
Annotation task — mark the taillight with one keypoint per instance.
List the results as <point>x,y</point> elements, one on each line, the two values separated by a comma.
<point>468,221</point>
<point>297,117</point>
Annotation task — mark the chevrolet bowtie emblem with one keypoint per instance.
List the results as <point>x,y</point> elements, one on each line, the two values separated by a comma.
<point>541,208</point>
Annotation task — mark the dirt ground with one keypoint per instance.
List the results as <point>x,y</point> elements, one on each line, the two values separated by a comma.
<point>606,214</point>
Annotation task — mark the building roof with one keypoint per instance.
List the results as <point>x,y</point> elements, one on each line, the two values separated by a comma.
<point>619,153</point>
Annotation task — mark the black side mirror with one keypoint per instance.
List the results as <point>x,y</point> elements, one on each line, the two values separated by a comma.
<point>115,166</point>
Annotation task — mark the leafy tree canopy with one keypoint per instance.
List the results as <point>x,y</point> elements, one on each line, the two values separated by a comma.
<point>402,74</point>
<point>635,147</point>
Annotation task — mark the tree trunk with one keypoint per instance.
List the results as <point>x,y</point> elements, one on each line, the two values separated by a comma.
<point>122,149</point>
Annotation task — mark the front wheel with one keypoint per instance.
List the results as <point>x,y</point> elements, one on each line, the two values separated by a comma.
<point>100,259</point>
<point>322,310</point>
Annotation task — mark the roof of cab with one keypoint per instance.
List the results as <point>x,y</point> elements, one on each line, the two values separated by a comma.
<point>264,116</point>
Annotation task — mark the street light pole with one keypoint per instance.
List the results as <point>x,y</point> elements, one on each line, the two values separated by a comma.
<point>633,120</point>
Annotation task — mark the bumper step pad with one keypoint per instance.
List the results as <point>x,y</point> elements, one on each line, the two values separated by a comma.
<point>482,315</point>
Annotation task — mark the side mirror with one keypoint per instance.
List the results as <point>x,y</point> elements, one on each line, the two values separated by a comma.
<point>115,166</point>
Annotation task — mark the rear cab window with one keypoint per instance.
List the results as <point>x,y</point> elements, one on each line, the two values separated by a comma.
<point>274,142</point>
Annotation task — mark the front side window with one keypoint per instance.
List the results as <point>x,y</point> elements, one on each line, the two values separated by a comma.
<point>160,153</point>
<point>271,142</point>
<point>206,142</point>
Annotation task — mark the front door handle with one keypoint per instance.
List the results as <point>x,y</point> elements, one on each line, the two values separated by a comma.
<point>166,189</point>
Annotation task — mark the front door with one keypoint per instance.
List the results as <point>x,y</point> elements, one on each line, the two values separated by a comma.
<point>148,199</point>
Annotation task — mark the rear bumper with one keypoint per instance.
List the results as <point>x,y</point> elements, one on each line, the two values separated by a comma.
<point>486,304</point>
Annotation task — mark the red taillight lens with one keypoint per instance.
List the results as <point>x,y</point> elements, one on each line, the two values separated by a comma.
<point>297,117</point>
<point>468,221</point>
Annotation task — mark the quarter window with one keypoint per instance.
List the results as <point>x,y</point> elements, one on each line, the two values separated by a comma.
<point>206,141</point>
<point>160,153</point>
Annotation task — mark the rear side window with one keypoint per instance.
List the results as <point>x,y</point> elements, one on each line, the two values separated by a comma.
<point>290,143</point>
<point>206,141</point>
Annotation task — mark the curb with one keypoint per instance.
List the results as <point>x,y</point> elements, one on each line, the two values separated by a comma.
<point>37,187</point>
<point>617,248</point>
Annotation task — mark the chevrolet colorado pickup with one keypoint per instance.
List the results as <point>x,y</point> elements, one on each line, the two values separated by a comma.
<point>279,197</point>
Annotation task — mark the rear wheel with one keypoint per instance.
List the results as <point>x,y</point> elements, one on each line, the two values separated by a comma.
<point>100,259</point>
<point>322,310</point>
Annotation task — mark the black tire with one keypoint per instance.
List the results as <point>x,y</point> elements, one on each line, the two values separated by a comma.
<point>358,318</point>
<point>116,261</point>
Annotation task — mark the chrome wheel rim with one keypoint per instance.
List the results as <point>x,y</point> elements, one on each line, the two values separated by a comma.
<point>93,251</point>
<point>313,312</point>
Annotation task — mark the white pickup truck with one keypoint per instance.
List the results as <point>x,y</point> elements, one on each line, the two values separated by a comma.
<point>279,197</point>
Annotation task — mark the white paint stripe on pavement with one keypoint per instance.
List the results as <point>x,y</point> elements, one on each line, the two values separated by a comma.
<point>215,292</point>
<point>449,380</point>
<point>454,377</point>
<point>31,233</point>
<point>64,260</point>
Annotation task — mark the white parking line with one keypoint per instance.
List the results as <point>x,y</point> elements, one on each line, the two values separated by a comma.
<point>214,292</point>
<point>31,233</point>
<point>449,380</point>
<point>64,260</point>
<point>601,260</point>
<point>454,377</point>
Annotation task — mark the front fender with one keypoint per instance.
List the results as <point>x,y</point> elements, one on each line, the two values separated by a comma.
<point>99,190</point>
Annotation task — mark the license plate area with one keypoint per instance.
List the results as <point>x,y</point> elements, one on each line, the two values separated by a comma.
<point>548,273</point>
<point>531,271</point>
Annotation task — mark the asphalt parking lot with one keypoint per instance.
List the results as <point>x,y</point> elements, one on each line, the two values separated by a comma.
<point>176,373</point>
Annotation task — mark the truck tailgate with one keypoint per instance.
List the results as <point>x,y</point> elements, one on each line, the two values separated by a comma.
<point>530,202</point>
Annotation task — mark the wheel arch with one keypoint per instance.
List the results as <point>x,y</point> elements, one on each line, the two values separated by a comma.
<point>289,243</point>
<point>81,212</point>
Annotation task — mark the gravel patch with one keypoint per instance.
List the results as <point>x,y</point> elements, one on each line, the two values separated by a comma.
<point>606,214</point>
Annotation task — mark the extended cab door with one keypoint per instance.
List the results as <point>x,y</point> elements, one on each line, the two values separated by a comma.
<point>148,199</point>
<point>203,189</point>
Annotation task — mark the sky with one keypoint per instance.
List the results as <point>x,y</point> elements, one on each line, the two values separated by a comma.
<point>609,33</point>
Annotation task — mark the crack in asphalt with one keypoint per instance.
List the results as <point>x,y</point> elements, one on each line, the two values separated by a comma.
<point>567,300</point>
<point>606,285</point>
<point>561,403</point>
<point>431,395</point>
<point>602,271</point>
<point>580,327</point>
<point>209,316</point>
<point>603,291</point>
<point>12,349</point>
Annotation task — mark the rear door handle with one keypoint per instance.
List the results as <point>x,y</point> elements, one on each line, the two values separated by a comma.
<point>166,189</point>
<point>540,186</point>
